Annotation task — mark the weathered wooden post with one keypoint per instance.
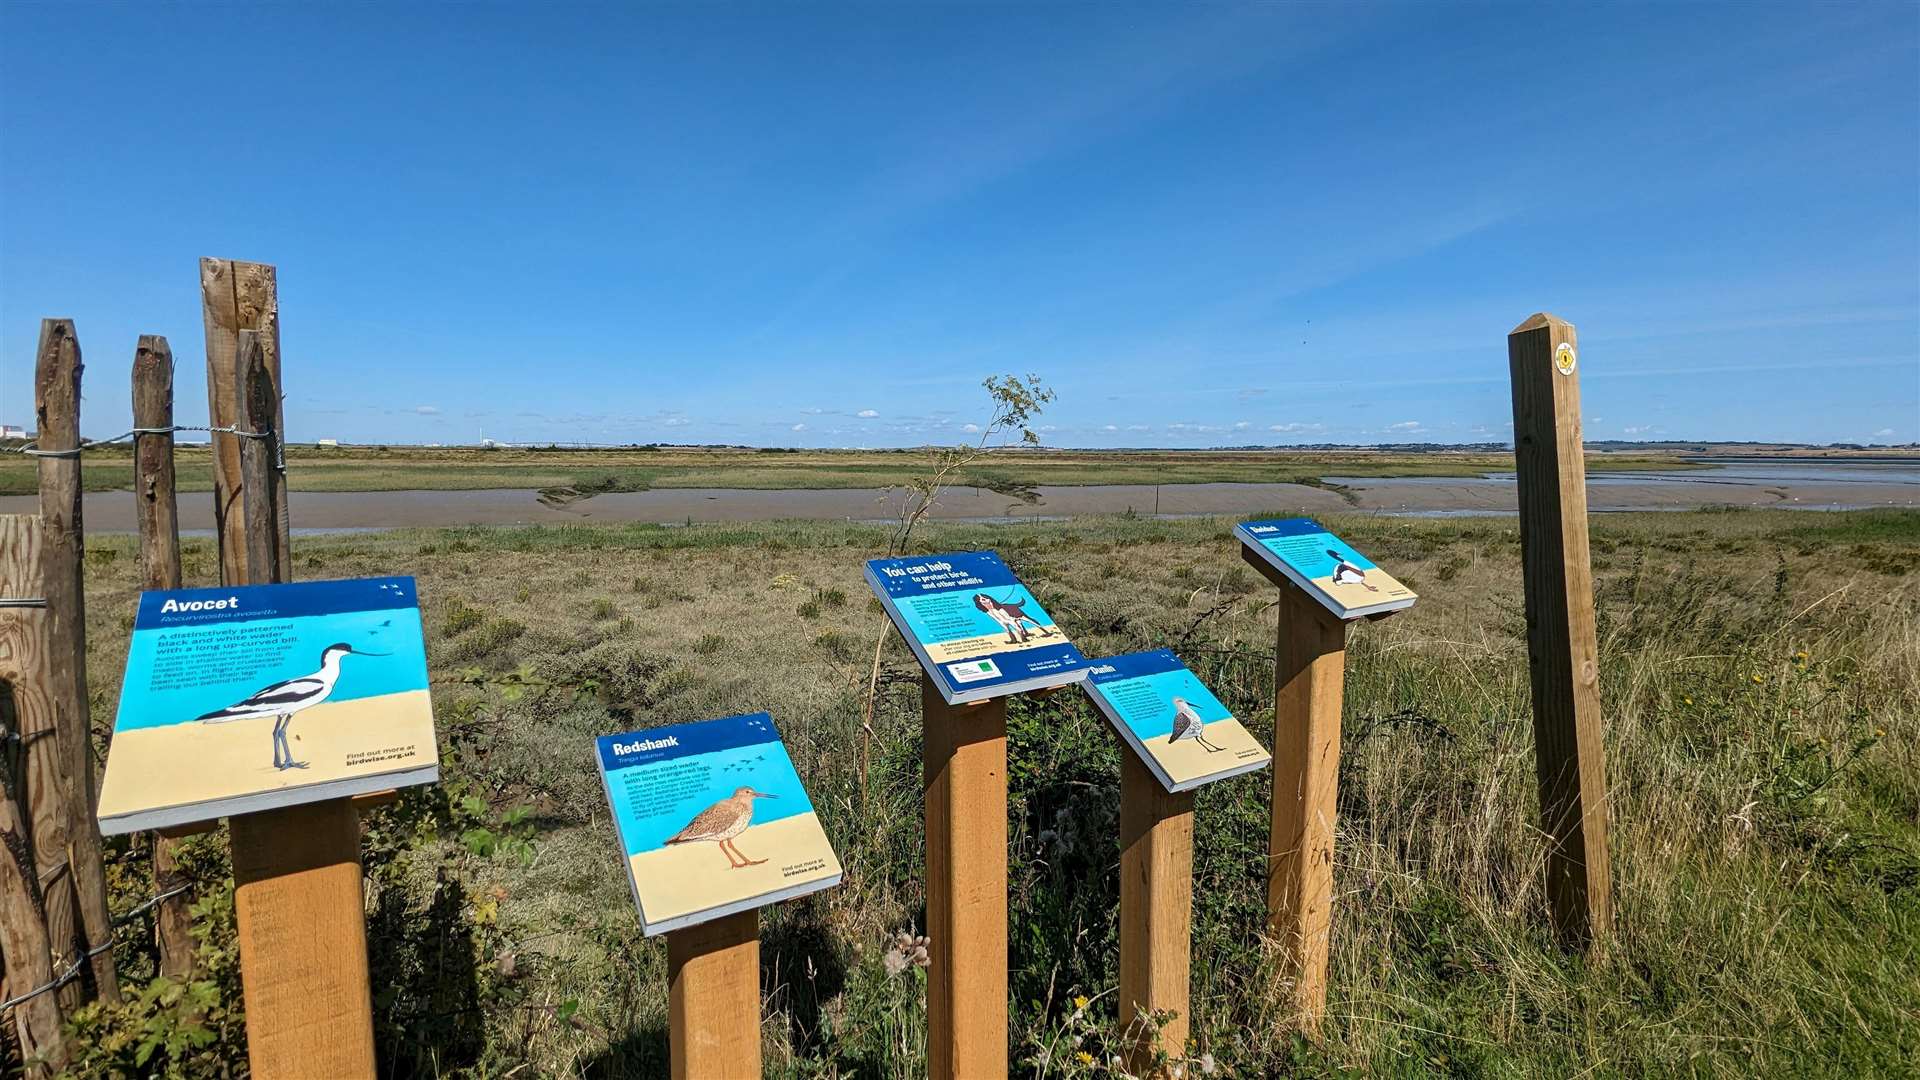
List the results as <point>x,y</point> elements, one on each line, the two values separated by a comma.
<point>158,515</point>
<point>965,759</point>
<point>29,788</point>
<point>57,411</point>
<point>297,882</point>
<point>1156,910</point>
<point>713,999</point>
<point>236,296</point>
<point>1310,666</point>
<point>1550,463</point>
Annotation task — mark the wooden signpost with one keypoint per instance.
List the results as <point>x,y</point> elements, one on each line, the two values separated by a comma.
<point>1309,679</point>
<point>1563,655</point>
<point>713,999</point>
<point>298,902</point>
<point>1310,662</point>
<point>965,759</point>
<point>1156,911</point>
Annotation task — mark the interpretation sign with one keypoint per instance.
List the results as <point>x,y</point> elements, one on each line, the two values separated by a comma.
<point>712,820</point>
<point>252,697</point>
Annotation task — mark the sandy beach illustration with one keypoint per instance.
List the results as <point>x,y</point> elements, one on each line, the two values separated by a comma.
<point>684,878</point>
<point>181,764</point>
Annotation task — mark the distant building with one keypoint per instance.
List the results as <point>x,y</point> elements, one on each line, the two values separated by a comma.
<point>328,444</point>
<point>9,431</point>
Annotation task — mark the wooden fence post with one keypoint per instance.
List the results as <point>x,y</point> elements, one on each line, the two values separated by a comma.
<point>1310,663</point>
<point>236,296</point>
<point>25,648</point>
<point>158,513</point>
<point>713,999</point>
<point>297,898</point>
<point>254,414</point>
<point>56,403</point>
<point>1550,464</point>
<point>1156,910</point>
<point>965,760</point>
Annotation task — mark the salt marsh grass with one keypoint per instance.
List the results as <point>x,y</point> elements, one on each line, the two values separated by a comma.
<point>1761,680</point>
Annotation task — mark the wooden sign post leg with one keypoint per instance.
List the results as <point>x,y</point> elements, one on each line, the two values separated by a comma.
<point>1156,910</point>
<point>297,895</point>
<point>966,792</point>
<point>713,999</point>
<point>303,941</point>
<point>1309,677</point>
<point>1563,655</point>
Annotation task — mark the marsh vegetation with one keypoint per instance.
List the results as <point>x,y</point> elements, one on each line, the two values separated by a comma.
<point>1761,678</point>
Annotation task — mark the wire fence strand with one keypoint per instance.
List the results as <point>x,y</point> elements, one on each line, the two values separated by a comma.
<point>32,449</point>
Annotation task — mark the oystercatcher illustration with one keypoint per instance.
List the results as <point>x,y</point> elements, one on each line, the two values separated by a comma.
<point>1345,573</point>
<point>1188,725</point>
<point>283,699</point>
<point>721,822</point>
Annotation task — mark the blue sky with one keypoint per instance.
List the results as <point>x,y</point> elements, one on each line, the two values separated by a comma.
<point>799,225</point>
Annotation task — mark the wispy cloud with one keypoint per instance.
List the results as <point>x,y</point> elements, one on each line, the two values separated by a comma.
<point>867,414</point>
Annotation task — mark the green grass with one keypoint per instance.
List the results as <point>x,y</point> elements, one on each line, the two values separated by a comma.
<point>570,474</point>
<point>1761,682</point>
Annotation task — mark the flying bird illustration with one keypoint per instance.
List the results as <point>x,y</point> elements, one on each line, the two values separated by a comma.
<point>1188,725</point>
<point>1345,573</point>
<point>723,821</point>
<point>283,699</point>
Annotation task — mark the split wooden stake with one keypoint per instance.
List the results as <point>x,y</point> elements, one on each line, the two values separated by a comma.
<point>158,511</point>
<point>236,296</point>
<point>713,999</point>
<point>1156,911</point>
<point>31,797</point>
<point>297,897</point>
<point>965,759</point>
<point>1563,655</point>
<point>56,403</point>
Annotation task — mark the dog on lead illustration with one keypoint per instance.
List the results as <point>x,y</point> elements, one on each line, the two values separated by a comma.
<point>1010,616</point>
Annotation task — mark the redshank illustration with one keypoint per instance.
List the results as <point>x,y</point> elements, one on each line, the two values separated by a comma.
<point>723,821</point>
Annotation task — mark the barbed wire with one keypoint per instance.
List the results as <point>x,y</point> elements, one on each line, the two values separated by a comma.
<point>73,970</point>
<point>32,449</point>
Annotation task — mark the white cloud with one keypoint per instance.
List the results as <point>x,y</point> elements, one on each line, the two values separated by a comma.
<point>1241,425</point>
<point>866,414</point>
<point>1884,433</point>
<point>799,427</point>
<point>427,410</point>
<point>1639,429</point>
<point>1139,427</point>
<point>676,421</point>
<point>971,429</point>
<point>1405,425</point>
<point>1293,428</point>
<point>1111,427</point>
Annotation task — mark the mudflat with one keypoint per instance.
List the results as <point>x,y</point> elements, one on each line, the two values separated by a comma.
<point>1825,486</point>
